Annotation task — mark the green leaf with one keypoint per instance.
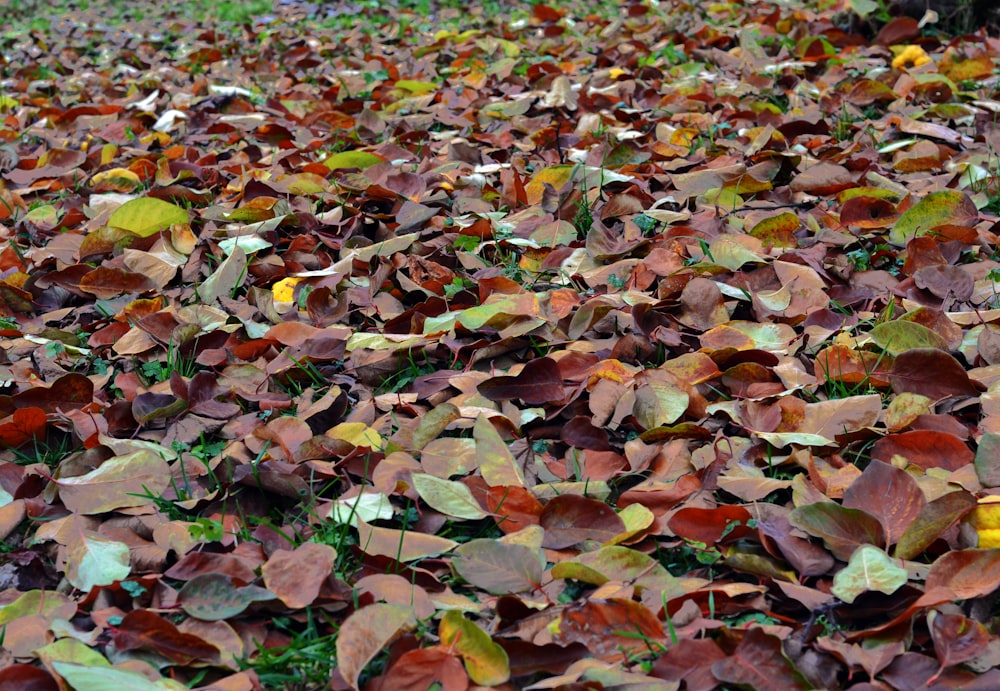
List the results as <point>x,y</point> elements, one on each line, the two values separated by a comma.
<point>95,560</point>
<point>71,650</point>
<point>352,159</point>
<point>146,216</point>
<point>869,569</point>
<point>447,496</point>
<point>415,87</point>
<point>433,423</point>
<point>620,564</point>
<point>85,678</point>
<point>901,335</point>
<point>36,602</point>
<point>936,209</point>
<point>214,597</point>
<point>863,8</point>
<point>368,506</point>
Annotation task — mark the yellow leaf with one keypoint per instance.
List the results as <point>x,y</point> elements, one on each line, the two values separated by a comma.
<point>284,290</point>
<point>557,176</point>
<point>985,518</point>
<point>356,433</point>
<point>115,180</point>
<point>485,661</point>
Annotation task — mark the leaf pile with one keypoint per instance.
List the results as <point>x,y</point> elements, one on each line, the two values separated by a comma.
<point>526,347</point>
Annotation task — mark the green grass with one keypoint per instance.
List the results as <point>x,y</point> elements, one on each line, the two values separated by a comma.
<point>305,662</point>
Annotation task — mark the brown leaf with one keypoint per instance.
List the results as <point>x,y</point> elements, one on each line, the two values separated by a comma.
<point>366,633</point>
<point>106,283</point>
<point>758,663</point>
<point>889,494</point>
<point>296,576</point>
<point>22,677</point>
<point>932,521</point>
<point>144,630</point>
<point>957,639</point>
<point>608,627</point>
<point>570,519</point>
<point>841,528</point>
<point>426,668</point>
<point>930,372</point>
<point>539,381</point>
<point>68,392</point>
<point>968,573</point>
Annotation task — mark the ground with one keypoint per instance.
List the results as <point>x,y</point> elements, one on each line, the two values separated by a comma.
<point>650,345</point>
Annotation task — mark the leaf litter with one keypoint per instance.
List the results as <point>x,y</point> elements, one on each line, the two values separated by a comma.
<point>543,346</point>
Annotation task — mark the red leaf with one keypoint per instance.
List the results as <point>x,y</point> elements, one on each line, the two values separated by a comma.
<point>925,448</point>
<point>709,526</point>
<point>23,425</point>
<point>26,678</point>
<point>515,507</point>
